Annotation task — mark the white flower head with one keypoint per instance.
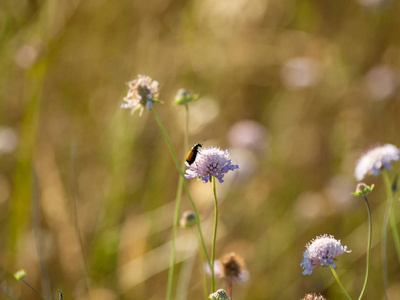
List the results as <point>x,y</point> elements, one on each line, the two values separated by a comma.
<point>143,91</point>
<point>375,159</point>
<point>322,251</point>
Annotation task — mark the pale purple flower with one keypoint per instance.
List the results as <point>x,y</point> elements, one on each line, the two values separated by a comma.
<point>210,162</point>
<point>313,296</point>
<point>375,159</point>
<point>322,251</point>
<point>143,91</point>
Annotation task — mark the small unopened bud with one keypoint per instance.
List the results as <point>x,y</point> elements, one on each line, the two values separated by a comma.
<point>188,219</point>
<point>362,189</point>
<point>20,275</point>
<point>219,295</point>
<point>183,97</point>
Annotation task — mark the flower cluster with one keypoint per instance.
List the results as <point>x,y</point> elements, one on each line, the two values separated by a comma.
<point>143,91</point>
<point>375,159</point>
<point>313,296</point>
<point>210,162</point>
<point>321,252</point>
<point>219,295</point>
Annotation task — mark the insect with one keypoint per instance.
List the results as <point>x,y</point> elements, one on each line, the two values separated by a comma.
<point>192,154</point>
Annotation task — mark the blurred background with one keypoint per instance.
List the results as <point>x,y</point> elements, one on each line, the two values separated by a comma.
<point>296,90</point>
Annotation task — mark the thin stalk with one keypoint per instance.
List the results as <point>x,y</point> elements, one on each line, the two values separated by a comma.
<point>368,249</point>
<point>44,274</point>
<point>214,236</point>
<point>230,287</point>
<point>392,216</point>
<point>174,237</point>
<point>34,289</point>
<point>176,215</point>
<point>185,184</point>
<point>384,252</point>
<point>338,281</point>
<point>202,265</point>
<point>75,200</point>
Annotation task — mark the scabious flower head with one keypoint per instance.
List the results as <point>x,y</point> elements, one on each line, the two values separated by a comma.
<point>143,91</point>
<point>219,295</point>
<point>375,159</point>
<point>321,251</point>
<point>210,162</point>
<point>313,296</point>
<point>188,219</point>
<point>184,97</point>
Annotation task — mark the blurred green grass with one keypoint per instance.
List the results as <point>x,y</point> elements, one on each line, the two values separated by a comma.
<point>302,69</point>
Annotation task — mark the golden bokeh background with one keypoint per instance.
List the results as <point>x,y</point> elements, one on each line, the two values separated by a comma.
<point>296,90</point>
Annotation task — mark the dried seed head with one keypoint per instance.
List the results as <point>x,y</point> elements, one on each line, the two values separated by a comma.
<point>232,266</point>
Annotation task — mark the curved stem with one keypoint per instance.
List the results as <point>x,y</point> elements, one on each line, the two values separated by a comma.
<point>338,281</point>
<point>176,215</point>
<point>174,237</point>
<point>185,184</point>
<point>368,249</point>
<point>214,236</point>
<point>34,289</point>
<point>202,265</point>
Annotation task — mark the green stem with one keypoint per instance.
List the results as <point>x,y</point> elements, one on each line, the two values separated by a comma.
<point>176,216</point>
<point>34,289</point>
<point>174,237</point>
<point>185,184</point>
<point>214,236</point>
<point>338,281</point>
<point>392,216</point>
<point>368,249</point>
<point>202,265</point>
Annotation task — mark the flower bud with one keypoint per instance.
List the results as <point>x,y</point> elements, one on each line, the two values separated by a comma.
<point>183,97</point>
<point>363,190</point>
<point>188,219</point>
<point>20,275</point>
